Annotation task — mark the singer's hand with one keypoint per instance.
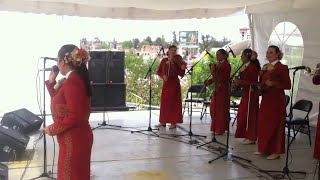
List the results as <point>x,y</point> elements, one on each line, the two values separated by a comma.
<point>53,75</point>
<point>270,83</point>
<point>237,81</point>
<point>165,78</point>
<point>183,67</point>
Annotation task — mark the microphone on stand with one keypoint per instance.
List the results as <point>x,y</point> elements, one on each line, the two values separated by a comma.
<point>49,58</point>
<point>209,53</point>
<point>54,68</point>
<point>234,56</point>
<point>298,68</point>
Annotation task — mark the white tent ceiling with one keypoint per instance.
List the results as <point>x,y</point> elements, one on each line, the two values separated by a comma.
<point>153,9</point>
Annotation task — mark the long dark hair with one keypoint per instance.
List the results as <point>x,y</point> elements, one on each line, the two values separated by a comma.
<point>81,69</point>
<point>223,52</point>
<point>255,61</point>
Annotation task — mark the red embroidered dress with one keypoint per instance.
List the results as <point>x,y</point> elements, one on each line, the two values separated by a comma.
<point>222,98</point>
<point>70,107</point>
<point>171,103</point>
<point>316,80</point>
<point>272,112</point>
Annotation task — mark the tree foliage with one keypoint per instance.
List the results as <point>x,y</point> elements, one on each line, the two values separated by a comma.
<point>136,43</point>
<point>148,39</point>
<point>142,43</point>
<point>102,45</point>
<point>207,42</point>
<point>127,44</point>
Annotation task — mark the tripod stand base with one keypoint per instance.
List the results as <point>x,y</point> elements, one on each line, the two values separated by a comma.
<point>190,134</point>
<point>45,174</point>
<point>285,172</point>
<point>104,123</point>
<point>148,130</point>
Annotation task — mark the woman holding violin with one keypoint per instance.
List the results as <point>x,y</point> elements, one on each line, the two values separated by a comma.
<point>316,153</point>
<point>274,77</point>
<point>249,106</point>
<point>220,76</point>
<point>170,106</point>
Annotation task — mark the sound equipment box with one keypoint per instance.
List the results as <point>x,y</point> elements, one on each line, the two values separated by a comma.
<point>22,120</point>
<point>12,144</point>
<point>3,172</point>
<point>106,66</point>
<point>108,95</point>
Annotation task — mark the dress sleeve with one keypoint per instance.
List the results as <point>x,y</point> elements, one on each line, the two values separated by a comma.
<point>181,72</point>
<point>316,79</point>
<point>284,82</point>
<point>160,68</point>
<point>50,88</point>
<point>75,98</point>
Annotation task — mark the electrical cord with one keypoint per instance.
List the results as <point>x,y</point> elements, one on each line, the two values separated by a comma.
<point>35,142</point>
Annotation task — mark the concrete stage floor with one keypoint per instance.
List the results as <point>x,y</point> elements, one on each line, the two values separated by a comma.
<point>120,154</point>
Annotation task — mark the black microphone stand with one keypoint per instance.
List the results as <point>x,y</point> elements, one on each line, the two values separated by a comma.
<point>286,172</point>
<point>190,134</point>
<point>45,173</point>
<point>149,73</point>
<point>214,140</point>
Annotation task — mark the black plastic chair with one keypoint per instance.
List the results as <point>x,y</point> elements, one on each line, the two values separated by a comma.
<point>198,94</point>
<point>287,102</point>
<point>204,108</point>
<point>302,105</point>
<point>233,104</point>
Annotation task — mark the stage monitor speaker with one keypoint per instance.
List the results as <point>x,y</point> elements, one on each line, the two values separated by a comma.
<point>22,120</point>
<point>115,66</point>
<point>12,144</point>
<point>3,172</point>
<point>108,95</point>
<point>106,67</point>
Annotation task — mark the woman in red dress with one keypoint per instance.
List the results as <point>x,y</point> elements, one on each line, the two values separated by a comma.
<point>171,106</point>
<point>70,107</point>
<point>274,79</point>
<point>316,154</point>
<point>220,76</point>
<point>249,106</point>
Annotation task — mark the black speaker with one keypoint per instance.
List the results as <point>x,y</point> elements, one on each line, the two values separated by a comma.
<point>106,67</point>
<point>97,66</point>
<point>108,95</point>
<point>116,67</point>
<point>22,120</point>
<point>3,172</point>
<point>12,144</point>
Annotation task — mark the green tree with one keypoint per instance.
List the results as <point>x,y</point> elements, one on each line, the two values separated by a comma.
<point>207,42</point>
<point>158,41</point>
<point>143,43</point>
<point>148,39</point>
<point>136,43</point>
<point>102,45</point>
<point>127,44</point>
<point>174,40</point>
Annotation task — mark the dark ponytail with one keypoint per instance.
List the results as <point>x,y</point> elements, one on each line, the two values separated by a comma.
<point>80,69</point>
<point>255,61</point>
<point>84,74</point>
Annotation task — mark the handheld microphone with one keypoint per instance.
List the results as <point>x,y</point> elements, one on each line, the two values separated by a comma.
<point>209,53</point>
<point>49,58</point>
<point>54,68</point>
<point>297,68</point>
<point>234,56</point>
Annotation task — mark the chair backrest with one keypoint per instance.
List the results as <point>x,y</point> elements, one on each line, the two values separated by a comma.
<point>237,93</point>
<point>287,100</point>
<point>197,88</point>
<point>303,105</point>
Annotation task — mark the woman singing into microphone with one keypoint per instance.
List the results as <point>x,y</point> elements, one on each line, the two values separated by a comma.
<point>220,76</point>
<point>171,104</point>
<point>274,78</point>
<point>249,106</point>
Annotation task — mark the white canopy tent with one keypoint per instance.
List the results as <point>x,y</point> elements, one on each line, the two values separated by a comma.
<point>264,15</point>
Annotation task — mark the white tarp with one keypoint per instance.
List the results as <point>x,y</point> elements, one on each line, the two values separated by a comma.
<point>153,9</point>
<point>307,22</point>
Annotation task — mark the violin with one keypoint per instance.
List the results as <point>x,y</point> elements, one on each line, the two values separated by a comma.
<point>177,59</point>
